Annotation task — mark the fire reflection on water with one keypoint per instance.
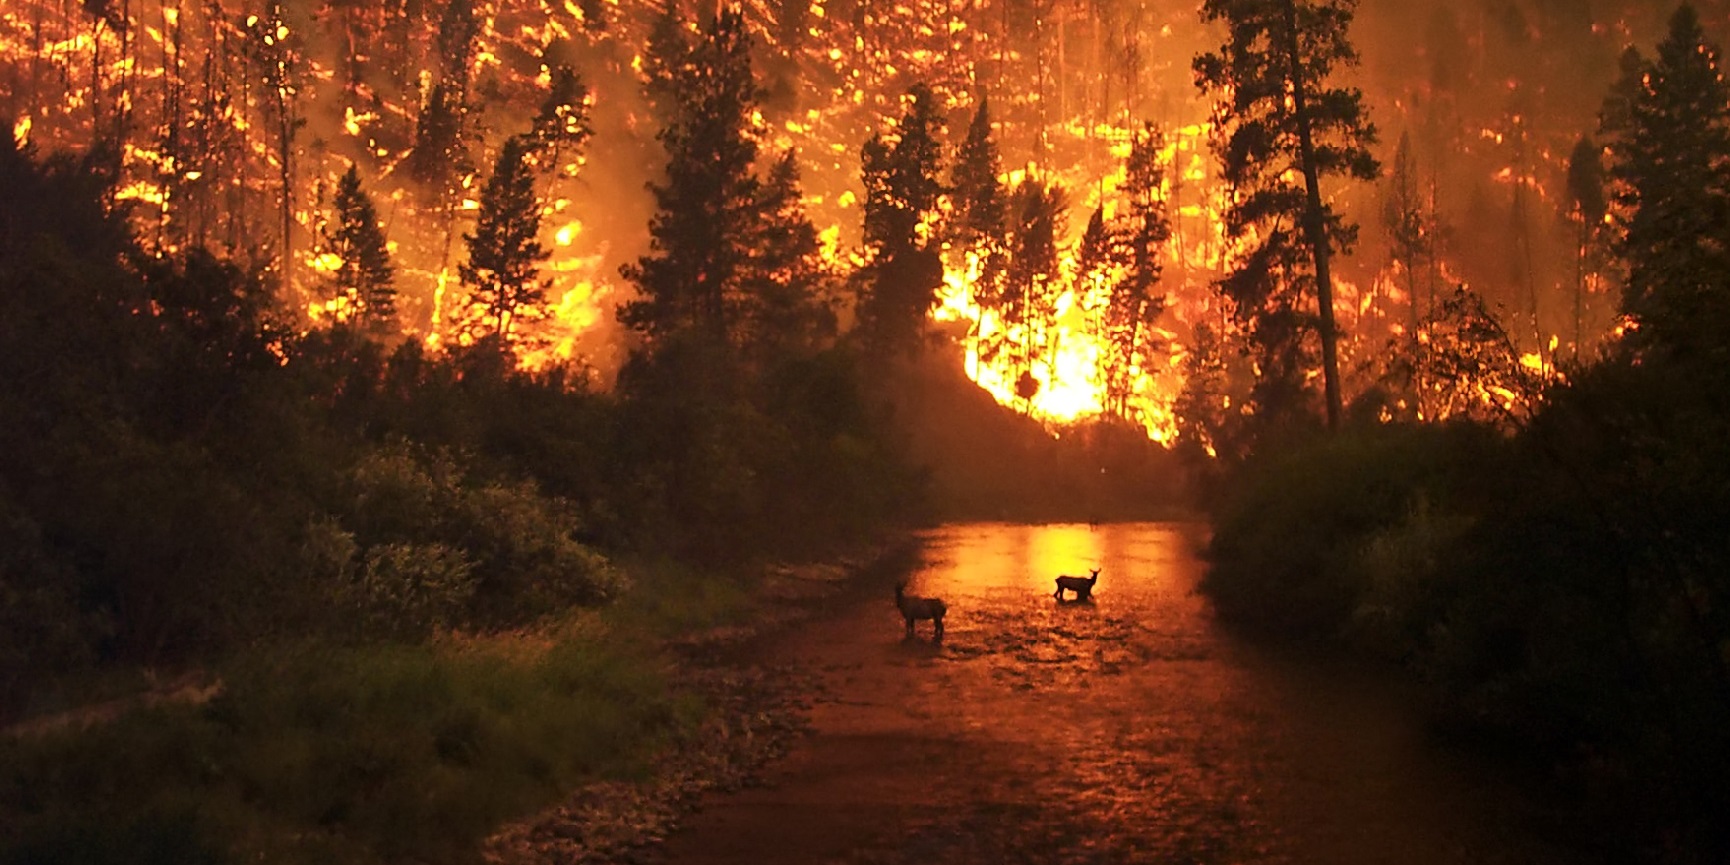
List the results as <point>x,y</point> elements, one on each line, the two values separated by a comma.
<point>996,561</point>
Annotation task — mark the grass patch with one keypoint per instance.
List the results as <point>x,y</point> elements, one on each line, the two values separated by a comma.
<point>669,598</point>
<point>319,754</point>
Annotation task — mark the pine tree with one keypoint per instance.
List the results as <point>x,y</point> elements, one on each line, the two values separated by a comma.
<point>977,241</point>
<point>1101,261</point>
<point>1278,113</point>
<point>1135,304</point>
<point>666,63</point>
<point>439,154</point>
<point>692,281</point>
<point>458,29</point>
<point>786,278</point>
<point>901,177</point>
<point>978,194</point>
<point>1671,167</point>
<point>365,275</point>
<point>503,267</point>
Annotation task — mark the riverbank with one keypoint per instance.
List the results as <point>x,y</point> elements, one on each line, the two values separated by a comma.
<point>579,740</point>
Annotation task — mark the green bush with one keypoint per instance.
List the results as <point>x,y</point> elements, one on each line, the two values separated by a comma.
<point>527,559</point>
<point>409,590</point>
<point>435,547</point>
<point>1401,585</point>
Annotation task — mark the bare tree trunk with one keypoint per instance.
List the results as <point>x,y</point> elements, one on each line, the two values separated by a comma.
<point>285,111</point>
<point>1433,248</point>
<point>1580,282</point>
<point>1523,240</point>
<point>1315,226</point>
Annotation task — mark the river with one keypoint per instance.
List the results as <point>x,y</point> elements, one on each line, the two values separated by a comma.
<point>1129,728</point>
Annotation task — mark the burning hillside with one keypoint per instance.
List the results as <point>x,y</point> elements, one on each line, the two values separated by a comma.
<point>229,125</point>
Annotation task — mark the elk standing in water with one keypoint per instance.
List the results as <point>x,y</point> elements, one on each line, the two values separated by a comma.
<point>914,608</point>
<point>1081,586</point>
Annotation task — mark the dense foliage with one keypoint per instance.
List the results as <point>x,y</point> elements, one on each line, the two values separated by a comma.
<point>1561,579</point>
<point>184,475</point>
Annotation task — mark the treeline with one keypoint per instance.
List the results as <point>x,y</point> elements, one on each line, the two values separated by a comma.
<point>1562,579</point>
<point>187,470</point>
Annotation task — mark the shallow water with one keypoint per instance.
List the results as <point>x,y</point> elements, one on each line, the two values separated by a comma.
<point>1128,728</point>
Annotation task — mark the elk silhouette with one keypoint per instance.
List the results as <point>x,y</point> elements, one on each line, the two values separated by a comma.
<point>1081,586</point>
<point>913,608</point>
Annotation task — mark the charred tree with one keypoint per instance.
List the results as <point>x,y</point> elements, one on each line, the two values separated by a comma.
<point>275,48</point>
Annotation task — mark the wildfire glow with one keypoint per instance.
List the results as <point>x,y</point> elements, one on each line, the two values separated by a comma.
<point>1072,125</point>
<point>573,322</point>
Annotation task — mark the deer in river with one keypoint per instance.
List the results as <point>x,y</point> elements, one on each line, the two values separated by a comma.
<point>1081,586</point>
<point>913,608</point>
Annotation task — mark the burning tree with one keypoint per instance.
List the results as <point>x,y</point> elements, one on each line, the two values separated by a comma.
<point>1464,364</point>
<point>1278,116</point>
<point>503,268</point>
<point>1034,282</point>
<point>1411,234</point>
<point>562,125</point>
<point>1669,140</point>
<point>279,57</point>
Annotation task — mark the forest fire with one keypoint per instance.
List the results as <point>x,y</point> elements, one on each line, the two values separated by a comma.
<point>356,354</point>
<point>234,122</point>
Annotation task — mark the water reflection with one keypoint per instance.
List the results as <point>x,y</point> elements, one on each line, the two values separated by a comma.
<point>994,562</point>
<point>1126,730</point>
<point>1132,729</point>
